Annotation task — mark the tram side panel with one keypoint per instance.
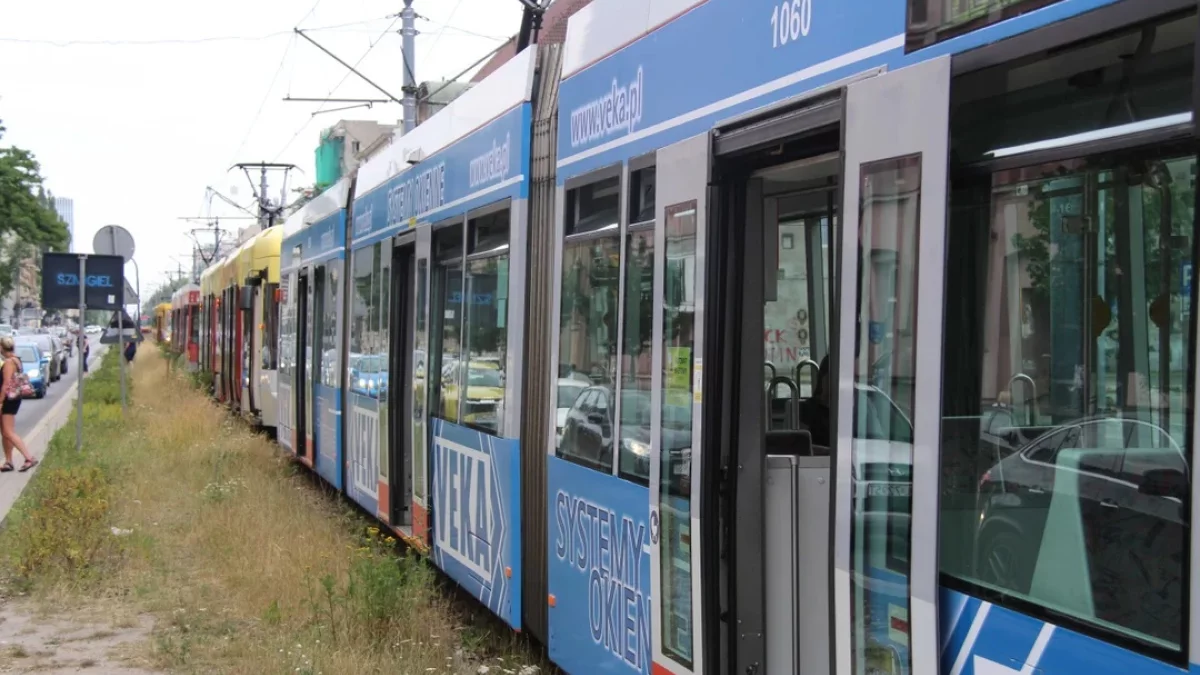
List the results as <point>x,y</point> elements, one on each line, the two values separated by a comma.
<point>473,196</point>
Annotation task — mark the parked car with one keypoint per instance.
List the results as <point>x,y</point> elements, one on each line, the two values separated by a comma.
<point>35,368</point>
<point>50,355</point>
<point>7,329</point>
<point>568,390</point>
<point>1082,491</point>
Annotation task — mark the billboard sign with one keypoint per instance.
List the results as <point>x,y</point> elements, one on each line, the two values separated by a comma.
<point>103,281</point>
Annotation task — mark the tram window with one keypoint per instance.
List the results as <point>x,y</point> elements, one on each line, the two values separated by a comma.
<point>486,322</point>
<point>1072,305</point>
<point>884,370</point>
<point>641,194</point>
<point>636,357</point>
<point>271,322</point>
<point>329,328</point>
<point>1117,359</point>
<point>360,310</point>
<point>587,349</point>
<point>595,206</point>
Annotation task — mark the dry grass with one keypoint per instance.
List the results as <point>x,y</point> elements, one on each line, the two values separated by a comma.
<point>247,565</point>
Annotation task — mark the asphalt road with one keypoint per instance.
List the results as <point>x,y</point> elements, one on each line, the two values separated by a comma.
<point>32,409</point>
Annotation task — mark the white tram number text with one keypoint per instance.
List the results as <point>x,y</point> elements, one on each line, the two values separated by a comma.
<point>790,21</point>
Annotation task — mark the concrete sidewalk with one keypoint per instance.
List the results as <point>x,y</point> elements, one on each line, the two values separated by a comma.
<point>38,441</point>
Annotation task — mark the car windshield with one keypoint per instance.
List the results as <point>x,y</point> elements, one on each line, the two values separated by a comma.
<point>42,341</point>
<point>567,393</point>
<point>27,354</point>
<point>484,377</point>
<point>369,364</point>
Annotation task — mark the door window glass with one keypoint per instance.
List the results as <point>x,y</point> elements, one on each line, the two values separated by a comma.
<point>447,320</point>
<point>884,370</point>
<point>421,378</point>
<point>675,439</point>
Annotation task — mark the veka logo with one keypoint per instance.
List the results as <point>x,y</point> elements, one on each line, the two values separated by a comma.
<point>93,280</point>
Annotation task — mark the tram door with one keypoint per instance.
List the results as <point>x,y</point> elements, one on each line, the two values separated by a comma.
<point>888,371</point>
<point>678,360</point>
<point>397,389</point>
<point>302,378</point>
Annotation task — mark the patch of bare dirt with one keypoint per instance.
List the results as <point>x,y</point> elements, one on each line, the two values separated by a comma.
<point>80,642</point>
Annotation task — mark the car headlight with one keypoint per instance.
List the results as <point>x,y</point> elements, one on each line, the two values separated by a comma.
<point>362,382</point>
<point>642,450</point>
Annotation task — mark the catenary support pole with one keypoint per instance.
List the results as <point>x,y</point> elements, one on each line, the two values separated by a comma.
<point>408,34</point>
<point>79,369</point>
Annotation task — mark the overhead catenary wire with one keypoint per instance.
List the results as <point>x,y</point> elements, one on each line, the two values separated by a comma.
<point>340,82</point>
<point>266,96</point>
<point>440,33</point>
<point>176,41</point>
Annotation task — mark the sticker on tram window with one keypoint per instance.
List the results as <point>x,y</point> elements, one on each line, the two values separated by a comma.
<point>886,489</point>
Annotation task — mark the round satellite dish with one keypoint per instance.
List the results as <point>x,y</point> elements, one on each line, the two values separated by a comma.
<point>113,240</point>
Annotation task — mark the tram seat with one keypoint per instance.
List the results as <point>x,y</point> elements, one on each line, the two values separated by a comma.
<point>792,442</point>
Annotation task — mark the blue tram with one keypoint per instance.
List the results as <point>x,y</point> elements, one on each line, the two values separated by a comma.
<point>893,375</point>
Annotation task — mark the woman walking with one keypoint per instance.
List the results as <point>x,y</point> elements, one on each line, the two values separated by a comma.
<point>11,372</point>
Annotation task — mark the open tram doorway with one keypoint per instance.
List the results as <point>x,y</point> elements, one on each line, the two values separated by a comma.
<point>399,399</point>
<point>775,235</point>
<point>814,401</point>
<point>301,379</point>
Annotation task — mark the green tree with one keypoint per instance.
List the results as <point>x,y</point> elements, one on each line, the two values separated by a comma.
<point>28,222</point>
<point>165,291</point>
<point>26,210</point>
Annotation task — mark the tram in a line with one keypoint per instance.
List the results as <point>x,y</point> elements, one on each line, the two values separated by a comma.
<point>162,322</point>
<point>240,293</point>
<point>185,328</point>
<point>862,346</point>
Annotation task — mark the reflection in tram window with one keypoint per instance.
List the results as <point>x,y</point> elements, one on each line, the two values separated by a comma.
<point>588,344</point>
<point>884,369</point>
<point>486,302</point>
<point>382,269</point>
<point>636,357</point>
<point>447,320</point>
<point>1065,450</point>
<point>675,439</point>
<point>1083,329</point>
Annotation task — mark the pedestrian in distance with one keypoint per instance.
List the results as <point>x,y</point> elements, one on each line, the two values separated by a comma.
<point>130,350</point>
<point>15,386</point>
<point>86,346</point>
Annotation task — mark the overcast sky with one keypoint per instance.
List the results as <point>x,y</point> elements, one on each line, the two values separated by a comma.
<point>133,107</point>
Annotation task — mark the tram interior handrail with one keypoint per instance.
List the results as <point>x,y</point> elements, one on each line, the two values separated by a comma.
<point>793,410</point>
<point>1030,415</point>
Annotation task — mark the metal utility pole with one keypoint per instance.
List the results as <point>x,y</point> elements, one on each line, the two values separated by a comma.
<point>408,33</point>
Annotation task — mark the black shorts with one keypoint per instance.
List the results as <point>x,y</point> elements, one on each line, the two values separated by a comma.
<point>10,406</point>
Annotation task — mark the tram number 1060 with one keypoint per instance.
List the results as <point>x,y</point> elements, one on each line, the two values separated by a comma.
<point>790,21</point>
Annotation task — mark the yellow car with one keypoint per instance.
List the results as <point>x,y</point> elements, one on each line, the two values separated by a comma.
<point>485,391</point>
